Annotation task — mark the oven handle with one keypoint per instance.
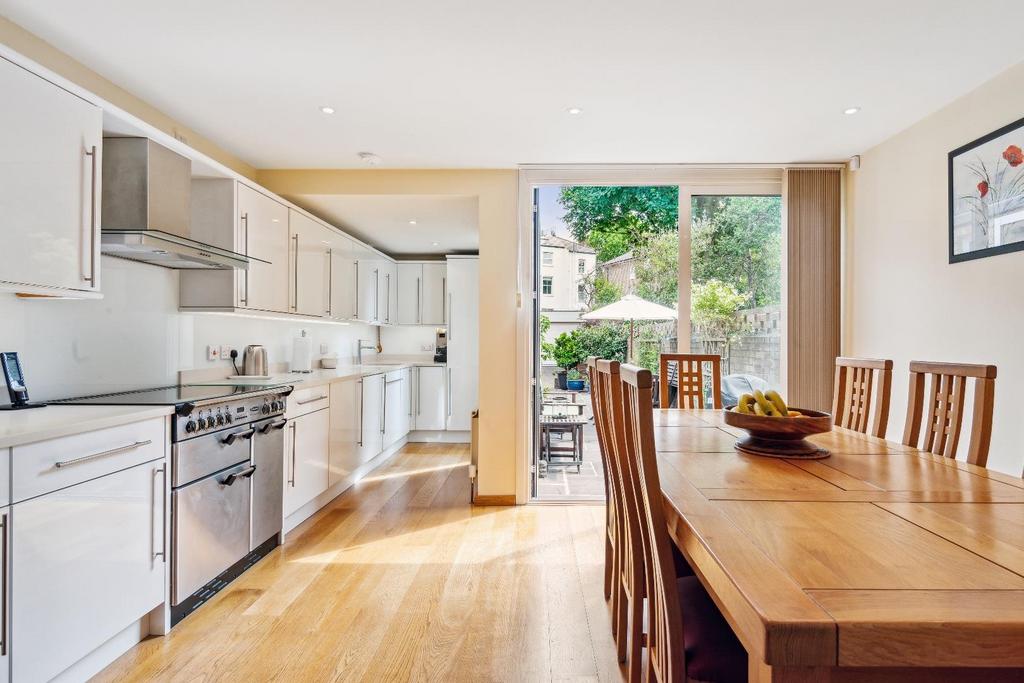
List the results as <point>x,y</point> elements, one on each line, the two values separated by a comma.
<point>230,438</point>
<point>273,425</point>
<point>241,474</point>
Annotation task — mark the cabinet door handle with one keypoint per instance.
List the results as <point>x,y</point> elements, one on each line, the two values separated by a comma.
<point>91,277</point>
<point>330,280</point>
<point>444,297</point>
<point>376,295</point>
<point>295,239</point>
<point>162,553</point>
<point>419,302</point>
<point>294,426</point>
<point>419,380</point>
<point>384,407</point>
<point>4,584</point>
<point>362,407</point>
<point>244,300</point>
<point>451,322</point>
<point>312,400</point>
<point>387,292</point>
<point>103,454</point>
<point>449,392</point>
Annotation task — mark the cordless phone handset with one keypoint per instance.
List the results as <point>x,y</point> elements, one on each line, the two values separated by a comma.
<point>15,380</point>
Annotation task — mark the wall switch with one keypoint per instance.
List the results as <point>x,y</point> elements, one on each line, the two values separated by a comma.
<point>426,347</point>
<point>225,352</point>
<point>212,352</point>
<point>324,348</point>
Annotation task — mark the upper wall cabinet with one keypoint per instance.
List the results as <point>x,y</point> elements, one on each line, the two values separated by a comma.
<point>421,294</point>
<point>50,162</point>
<point>264,224</point>
<point>310,268</point>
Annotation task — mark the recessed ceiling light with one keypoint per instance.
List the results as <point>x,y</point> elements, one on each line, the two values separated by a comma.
<point>436,244</point>
<point>574,110</point>
<point>412,222</point>
<point>851,110</point>
<point>327,110</point>
<point>370,158</point>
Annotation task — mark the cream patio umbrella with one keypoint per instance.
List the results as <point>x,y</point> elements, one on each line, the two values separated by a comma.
<point>632,308</point>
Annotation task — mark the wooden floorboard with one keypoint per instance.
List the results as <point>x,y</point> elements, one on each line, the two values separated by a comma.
<point>400,579</point>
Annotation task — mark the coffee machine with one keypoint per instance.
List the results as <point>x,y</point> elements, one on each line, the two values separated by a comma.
<point>441,346</point>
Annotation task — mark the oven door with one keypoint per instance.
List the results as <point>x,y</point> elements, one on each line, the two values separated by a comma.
<point>268,482</point>
<point>211,528</point>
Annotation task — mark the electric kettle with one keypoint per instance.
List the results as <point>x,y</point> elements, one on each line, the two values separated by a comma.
<point>255,362</point>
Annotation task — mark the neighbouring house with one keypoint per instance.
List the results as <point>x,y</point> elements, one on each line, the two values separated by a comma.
<point>565,267</point>
<point>621,272</point>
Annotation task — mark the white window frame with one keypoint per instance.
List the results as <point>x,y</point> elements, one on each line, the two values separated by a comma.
<point>547,258</point>
<point>549,282</point>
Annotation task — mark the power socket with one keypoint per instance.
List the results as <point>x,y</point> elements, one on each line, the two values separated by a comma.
<point>426,347</point>
<point>225,352</point>
<point>212,352</point>
<point>324,348</point>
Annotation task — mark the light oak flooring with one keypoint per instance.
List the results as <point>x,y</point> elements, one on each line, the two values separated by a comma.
<point>401,579</point>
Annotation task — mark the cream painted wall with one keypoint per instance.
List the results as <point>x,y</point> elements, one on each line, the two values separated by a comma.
<point>903,300</point>
<point>49,57</point>
<point>496,192</point>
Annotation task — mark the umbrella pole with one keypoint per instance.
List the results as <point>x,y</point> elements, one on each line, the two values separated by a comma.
<point>630,350</point>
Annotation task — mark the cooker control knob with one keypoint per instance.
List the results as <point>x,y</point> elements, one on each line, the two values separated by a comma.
<point>266,408</point>
<point>276,405</point>
<point>190,426</point>
<point>228,418</point>
<point>201,423</point>
<point>220,420</point>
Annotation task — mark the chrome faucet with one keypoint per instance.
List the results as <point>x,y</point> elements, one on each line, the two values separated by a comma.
<point>363,347</point>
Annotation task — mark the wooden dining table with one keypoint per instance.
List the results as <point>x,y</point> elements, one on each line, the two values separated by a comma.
<point>878,563</point>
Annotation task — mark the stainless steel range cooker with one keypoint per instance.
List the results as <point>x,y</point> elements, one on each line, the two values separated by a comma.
<point>227,453</point>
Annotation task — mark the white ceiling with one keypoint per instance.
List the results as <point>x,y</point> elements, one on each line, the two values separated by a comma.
<point>464,83</point>
<point>382,221</point>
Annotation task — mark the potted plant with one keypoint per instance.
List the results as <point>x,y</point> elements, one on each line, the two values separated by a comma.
<point>566,353</point>
<point>574,380</point>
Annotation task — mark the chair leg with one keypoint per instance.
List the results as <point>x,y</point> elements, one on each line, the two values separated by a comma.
<point>609,561</point>
<point>621,621</point>
<point>636,637</point>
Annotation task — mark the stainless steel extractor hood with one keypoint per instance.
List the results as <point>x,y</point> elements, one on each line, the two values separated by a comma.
<point>146,212</point>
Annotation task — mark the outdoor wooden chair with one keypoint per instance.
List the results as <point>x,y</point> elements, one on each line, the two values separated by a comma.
<point>685,371</point>
<point>707,649</point>
<point>857,380</point>
<point>945,403</point>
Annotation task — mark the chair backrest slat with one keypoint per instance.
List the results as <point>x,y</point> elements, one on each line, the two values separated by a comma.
<point>854,394</point>
<point>944,400</point>
<point>688,371</point>
<point>665,649</point>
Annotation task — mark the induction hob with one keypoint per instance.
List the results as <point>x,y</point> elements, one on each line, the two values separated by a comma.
<point>184,397</point>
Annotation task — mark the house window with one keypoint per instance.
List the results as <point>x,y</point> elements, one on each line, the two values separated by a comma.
<point>548,258</point>
<point>581,292</point>
<point>582,267</point>
<point>545,285</point>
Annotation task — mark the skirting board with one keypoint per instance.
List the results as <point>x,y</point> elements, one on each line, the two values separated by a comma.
<point>309,509</point>
<point>97,660</point>
<point>440,436</point>
<point>500,500</point>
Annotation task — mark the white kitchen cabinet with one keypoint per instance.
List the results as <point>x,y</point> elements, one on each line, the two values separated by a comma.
<point>5,587</point>
<point>387,292</point>
<point>368,278</point>
<point>341,299</point>
<point>89,561</point>
<point>50,170</point>
<point>371,417</point>
<point>396,408</point>
<point>307,458</point>
<point>264,234</point>
<point>435,293</point>
<point>463,341</point>
<point>344,436</point>
<point>309,265</point>
<point>431,399</point>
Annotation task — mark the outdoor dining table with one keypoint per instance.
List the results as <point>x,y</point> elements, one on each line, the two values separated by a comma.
<point>879,563</point>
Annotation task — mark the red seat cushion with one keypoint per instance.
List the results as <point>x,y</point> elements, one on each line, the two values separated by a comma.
<point>713,653</point>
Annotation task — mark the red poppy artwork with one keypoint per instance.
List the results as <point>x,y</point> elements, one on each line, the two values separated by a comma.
<point>986,203</point>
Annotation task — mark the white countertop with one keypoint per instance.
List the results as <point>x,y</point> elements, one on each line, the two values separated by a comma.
<point>19,427</point>
<point>319,377</point>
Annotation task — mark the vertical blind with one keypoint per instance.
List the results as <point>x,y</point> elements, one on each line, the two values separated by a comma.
<point>814,215</point>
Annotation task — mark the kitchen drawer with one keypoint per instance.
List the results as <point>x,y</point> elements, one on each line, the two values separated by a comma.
<point>85,456</point>
<point>303,401</point>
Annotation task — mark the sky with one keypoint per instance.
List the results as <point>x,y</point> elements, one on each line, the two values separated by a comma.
<point>550,211</point>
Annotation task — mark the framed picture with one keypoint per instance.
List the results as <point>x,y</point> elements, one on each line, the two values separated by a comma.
<point>986,195</point>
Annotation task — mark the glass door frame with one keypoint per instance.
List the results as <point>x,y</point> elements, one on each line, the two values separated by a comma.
<point>691,180</point>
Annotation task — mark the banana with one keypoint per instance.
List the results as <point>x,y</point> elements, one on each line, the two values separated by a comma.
<point>776,400</point>
<point>795,413</point>
<point>758,410</point>
<point>766,406</point>
<point>745,404</point>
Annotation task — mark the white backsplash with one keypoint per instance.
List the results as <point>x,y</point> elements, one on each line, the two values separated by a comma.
<point>135,336</point>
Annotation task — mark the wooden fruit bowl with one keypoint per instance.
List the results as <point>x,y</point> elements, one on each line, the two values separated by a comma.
<point>781,437</point>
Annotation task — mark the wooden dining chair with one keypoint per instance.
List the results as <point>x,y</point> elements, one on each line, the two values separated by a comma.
<point>687,369</point>
<point>856,383</point>
<point>945,403</point>
<point>687,637</point>
<point>597,406</point>
<point>628,590</point>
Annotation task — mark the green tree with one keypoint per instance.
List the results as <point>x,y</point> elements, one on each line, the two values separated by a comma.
<point>615,219</point>
<point>657,269</point>
<point>607,340</point>
<point>547,349</point>
<point>713,307</point>
<point>600,291</point>
<point>566,352</point>
<point>738,240</point>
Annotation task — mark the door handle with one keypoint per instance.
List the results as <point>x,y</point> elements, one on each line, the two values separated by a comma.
<point>451,323</point>
<point>444,297</point>
<point>291,482</point>
<point>330,281</point>
<point>449,392</point>
<point>3,584</point>
<point>387,292</point>
<point>362,405</point>
<point>230,438</point>
<point>163,497</point>
<point>384,407</point>
<point>355,301</point>
<point>91,278</point>
<point>240,474</point>
<point>419,302</point>
<point>103,454</point>
<point>311,400</point>
<point>295,274</point>
<point>273,425</point>
<point>376,294</point>
<point>244,300</point>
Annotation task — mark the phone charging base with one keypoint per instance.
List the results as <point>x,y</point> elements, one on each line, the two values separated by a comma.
<point>22,406</point>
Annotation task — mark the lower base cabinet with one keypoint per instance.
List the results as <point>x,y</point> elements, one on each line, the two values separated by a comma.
<point>306,454</point>
<point>371,413</point>
<point>345,420</point>
<point>88,561</point>
<point>431,398</point>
